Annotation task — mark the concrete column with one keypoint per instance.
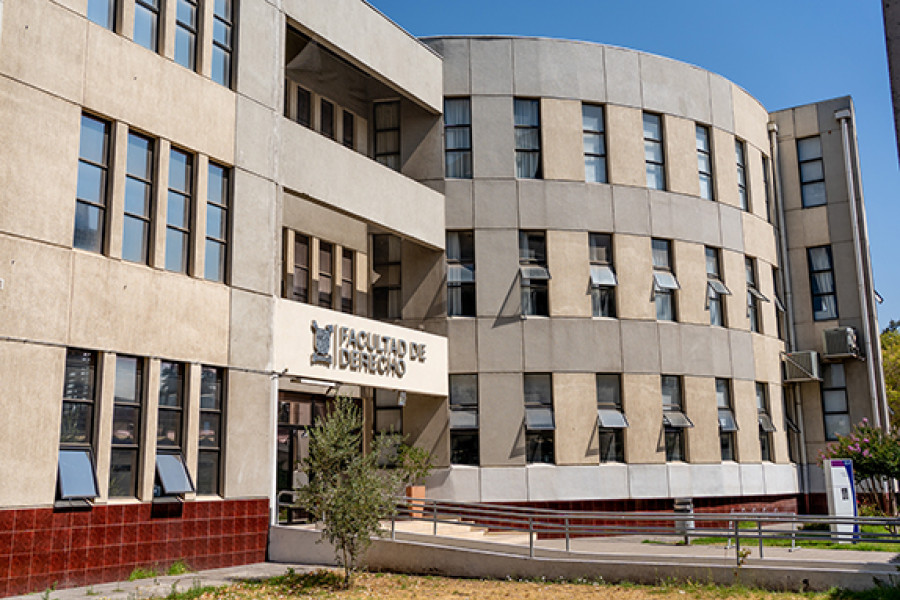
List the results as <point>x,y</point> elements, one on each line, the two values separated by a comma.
<point>147,457</point>
<point>159,209</point>
<point>115,207</point>
<point>197,253</point>
<point>191,433</point>
<point>103,415</point>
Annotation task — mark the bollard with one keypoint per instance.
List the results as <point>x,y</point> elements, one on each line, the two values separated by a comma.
<point>531,537</point>
<point>760,536</point>
<point>568,546</point>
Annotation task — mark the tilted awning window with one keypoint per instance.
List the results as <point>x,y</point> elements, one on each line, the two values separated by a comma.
<point>173,475</point>
<point>663,281</point>
<point>756,294</point>
<point>677,419</point>
<point>77,478</point>
<point>464,418</point>
<point>539,418</point>
<point>460,273</point>
<point>765,423</point>
<point>534,272</point>
<point>717,288</point>
<point>779,305</point>
<point>603,275</point>
<point>727,424</point>
<point>610,418</point>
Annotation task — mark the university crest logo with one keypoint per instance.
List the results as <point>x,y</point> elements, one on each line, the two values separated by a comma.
<point>321,345</point>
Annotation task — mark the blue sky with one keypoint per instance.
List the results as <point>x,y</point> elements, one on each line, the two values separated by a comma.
<point>785,53</point>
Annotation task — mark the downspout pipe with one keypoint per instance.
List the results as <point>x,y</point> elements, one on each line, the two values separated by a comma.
<point>788,298</point>
<point>873,354</point>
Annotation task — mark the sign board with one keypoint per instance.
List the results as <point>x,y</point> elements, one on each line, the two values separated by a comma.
<point>324,344</point>
<point>841,496</point>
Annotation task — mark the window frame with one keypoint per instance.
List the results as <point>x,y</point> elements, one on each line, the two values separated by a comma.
<point>463,166</point>
<point>152,9</point>
<point>594,134</point>
<point>101,207</point>
<point>522,151</point>
<point>150,183</point>
<point>534,275</point>
<point>831,433</point>
<point>327,118</point>
<point>740,156</point>
<point>461,277</point>
<point>224,48</point>
<point>539,439</point>
<point>385,293</point>
<point>187,195</point>
<point>813,182</point>
<point>603,293</point>
<point>650,165</point>
<point>325,278</point>
<point>187,29</point>
<point>812,284</point>
<point>716,290</point>
<point>222,204</point>
<point>754,296</point>
<point>766,427</point>
<point>348,129</point>
<point>381,156</point>
<point>93,6</point>
<point>726,418</point>
<point>663,288</point>
<point>85,447</point>
<point>298,292</point>
<point>348,281</point>
<point>674,419</point>
<point>217,449</point>
<point>461,436</point>
<point>611,440</point>
<point>132,449</point>
<point>707,156</point>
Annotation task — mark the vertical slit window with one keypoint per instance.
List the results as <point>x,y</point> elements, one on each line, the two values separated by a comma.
<point>138,199</point>
<point>664,282</point>
<point>594,140</point>
<point>223,23</point>
<point>304,107</point>
<point>326,118</point>
<point>766,427</point>
<point>704,163</point>
<point>301,268</point>
<point>458,137</point>
<point>754,297</point>
<point>217,195</point>
<point>603,276</point>
<point>386,289</point>
<point>387,134</point>
<point>674,419</point>
<point>765,173</point>
<point>186,34</point>
<point>178,211</point>
<point>527,118</point>
<point>533,273</point>
<point>347,281</point>
<point>727,424</point>
<point>348,133</point>
<point>77,475</point>
<point>654,155</point>
<point>464,420</point>
<point>821,281</point>
<point>740,155</point>
<point>715,288</point>
<point>460,274</point>
<point>326,274</point>
<point>209,458</point>
<point>835,408</point>
<point>812,171</point>
<point>102,12</point>
<point>611,420</point>
<point>126,433</point>
<point>93,184</point>
<point>540,423</point>
<point>146,23</point>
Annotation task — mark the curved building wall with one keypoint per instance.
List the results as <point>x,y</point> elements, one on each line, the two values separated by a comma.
<point>499,344</point>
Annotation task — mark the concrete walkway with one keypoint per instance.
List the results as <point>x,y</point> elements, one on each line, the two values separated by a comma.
<point>160,587</point>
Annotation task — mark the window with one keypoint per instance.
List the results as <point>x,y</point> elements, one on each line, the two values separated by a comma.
<point>460,274</point>
<point>593,134</point>
<point>186,33</point>
<point>821,282</point>
<point>126,431</point>
<point>178,212</point>
<point>812,171</point>
<point>765,173</point>
<point>388,412</point>
<point>715,288</point>
<point>326,274</point>
<point>386,298</point>
<point>464,420</point>
<point>674,420</point>
<point>347,281</point>
<point>387,134</point>
<point>834,402</point>
<point>326,118</point>
<point>790,426</point>
<point>533,273</point>
<point>304,107</point>
<point>754,296</point>
<point>458,138</point>
<point>603,277</point>
<point>704,163</point>
<point>209,458</point>
<point>93,184</point>
<point>223,22</point>
<point>102,12</point>
<point>779,304</point>
<point>348,129</point>
<point>765,422</point>
<point>146,23</point>
<point>138,199</point>
<point>527,118</point>
<point>77,478</point>
<point>727,423</point>
<point>172,476</point>
<point>740,154</point>
<point>300,289</point>
<point>218,191</point>
<point>654,156</point>
<point>664,281</point>
<point>539,421</point>
<point>610,419</point>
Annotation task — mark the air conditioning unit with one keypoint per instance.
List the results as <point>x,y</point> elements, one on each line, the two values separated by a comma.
<point>801,366</point>
<point>840,343</point>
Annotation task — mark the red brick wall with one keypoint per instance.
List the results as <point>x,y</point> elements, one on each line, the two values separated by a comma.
<point>43,547</point>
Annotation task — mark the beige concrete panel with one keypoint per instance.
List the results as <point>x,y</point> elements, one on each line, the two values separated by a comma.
<point>759,239</point>
<point>670,355</point>
<point>698,343</point>
<point>307,217</point>
<point>622,87</point>
<point>845,280</point>
<point>725,168</point>
<point>767,310</point>
<point>567,259</point>
<point>455,54</point>
<point>361,34</point>
<point>801,288</point>
<point>376,194</point>
<point>496,204</point>
<point>254,243</point>
<point>29,432</point>
<point>813,418</point>
<point>746,415</point>
<point>250,336</point>
<point>260,39</point>
<point>192,419</point>
<point>115,218</point>
<point>497,267</point>
<point>462,344</point>
<point>559,68</point>
<point>491,66</point>
<point>780,436</point>
<point>501,412</point>
<point>156,252</point>
<point>631,209</point>
<point>103,420</point>
<point>168,16</point>
<point>700,407</point>
<point>422,144</point>
<point>640,347</point>
<point>750,118</point>
<point>731,220</point>
<point>136,307</point>
<point>575,410</point>
<point>459,206</point>
<point>755,182</point>
<point>806,120</point>
<point>719,340</point>
<point>493,140</point>
<point>681,163</point>
<point>670,86</point>
<point>427,426</point>
<point>767,357</point>
<point>840,227</point>
<point>625,139</point>
<point>635,274</point>
<point>249,434</point>
<point>537,344</point>
<point>690,268</point>
<point>423,274</point>
<point>642,404</point>
<point>561,139</point>
<point>722,107</point>
<point>150,96</point>
<point>606,345</point>
<point>790,173</point>
<point>149,422</point>
<point>500,345</point>
<point>565,205</point>
<point>735,277</point>
<point>256,140</point>
<point>572,345</point>
<point>692,218</point>
<point>39,138</point>
<point>34,297</point>
<point>196,267</point>
<point>742,364</point>
<point>44,46</point>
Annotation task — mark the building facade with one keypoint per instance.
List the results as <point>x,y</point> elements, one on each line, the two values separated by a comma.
<point>574,273</point>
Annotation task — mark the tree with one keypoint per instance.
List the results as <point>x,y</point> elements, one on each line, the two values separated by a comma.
<point>890,356</point>
<point>347,491</point>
